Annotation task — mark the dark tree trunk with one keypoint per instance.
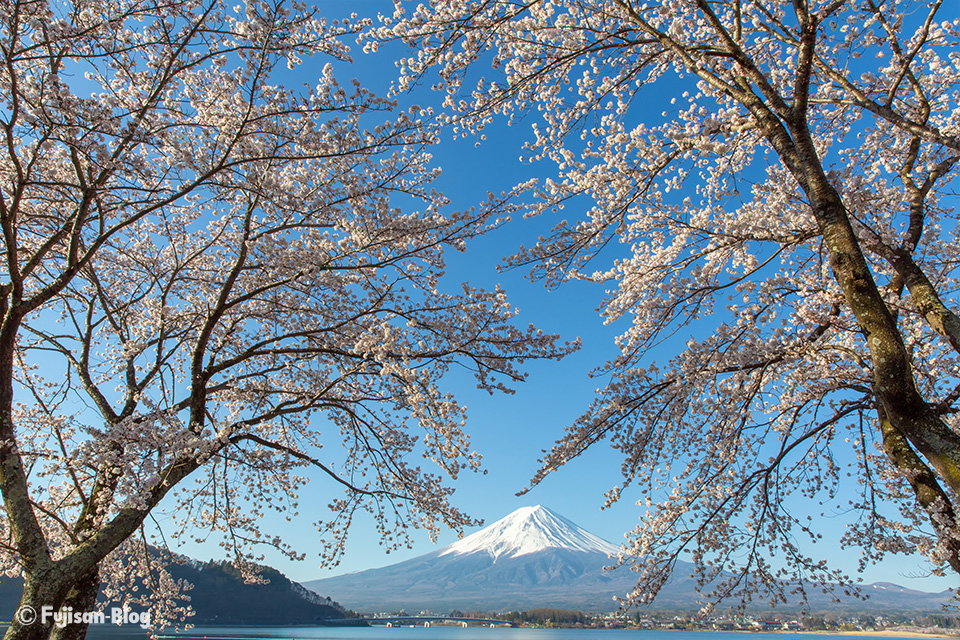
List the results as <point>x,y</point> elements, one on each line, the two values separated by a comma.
<point>42,596</point>
<point>81,598</point>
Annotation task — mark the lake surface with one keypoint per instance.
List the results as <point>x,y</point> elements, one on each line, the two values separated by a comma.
<point>445,633</point>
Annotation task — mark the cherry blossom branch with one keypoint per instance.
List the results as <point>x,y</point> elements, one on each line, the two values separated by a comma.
<point>299,455</point>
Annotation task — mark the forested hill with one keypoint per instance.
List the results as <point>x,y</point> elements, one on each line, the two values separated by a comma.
<point>220,596</point>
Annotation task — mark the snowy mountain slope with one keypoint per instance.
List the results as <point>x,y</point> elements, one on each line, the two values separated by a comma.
<point>529,530</point>
<point>536,558</point>
<point>531,558</point>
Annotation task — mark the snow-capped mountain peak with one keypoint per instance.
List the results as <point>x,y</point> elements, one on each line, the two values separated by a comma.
<point>529,530</point>
<point>534,558</point>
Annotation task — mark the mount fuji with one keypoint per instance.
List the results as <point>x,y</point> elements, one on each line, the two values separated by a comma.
<point>531,558</point>
<point>529,530</point>
<point>537,558</point>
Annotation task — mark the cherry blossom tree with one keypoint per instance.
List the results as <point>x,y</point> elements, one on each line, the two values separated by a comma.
<point>212,285</point>
<point>767,189</point>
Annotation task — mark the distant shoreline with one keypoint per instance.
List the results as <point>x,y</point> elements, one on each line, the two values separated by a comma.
<point>888,633</point>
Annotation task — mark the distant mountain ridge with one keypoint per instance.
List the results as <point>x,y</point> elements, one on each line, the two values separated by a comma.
<point>536,558</point>
<point>221,596</point>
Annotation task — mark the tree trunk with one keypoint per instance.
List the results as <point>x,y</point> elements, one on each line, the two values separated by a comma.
<point>81,598</point>
<point>893,378</point>
<point>917,441</point>
<point>42,596</point>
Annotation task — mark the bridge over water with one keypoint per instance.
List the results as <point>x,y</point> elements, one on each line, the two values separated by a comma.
<point>427,621</point>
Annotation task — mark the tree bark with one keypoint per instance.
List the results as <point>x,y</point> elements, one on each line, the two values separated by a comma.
<point>917,441</point>
<point>894,383</point>
<point>925,487</point>
<point>43,594</point>
<point>82,597</point>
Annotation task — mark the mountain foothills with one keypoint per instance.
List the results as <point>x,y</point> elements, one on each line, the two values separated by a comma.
<point>221,595</point>
<point>537,558</point>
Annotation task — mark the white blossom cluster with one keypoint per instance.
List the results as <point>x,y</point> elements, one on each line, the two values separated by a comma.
<point>212,286</point>
<point>767,189</point>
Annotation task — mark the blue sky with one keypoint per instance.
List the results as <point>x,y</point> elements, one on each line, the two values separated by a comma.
<point>511,431</point>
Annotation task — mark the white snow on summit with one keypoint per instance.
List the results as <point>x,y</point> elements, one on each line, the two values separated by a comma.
<point>529,530</point>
